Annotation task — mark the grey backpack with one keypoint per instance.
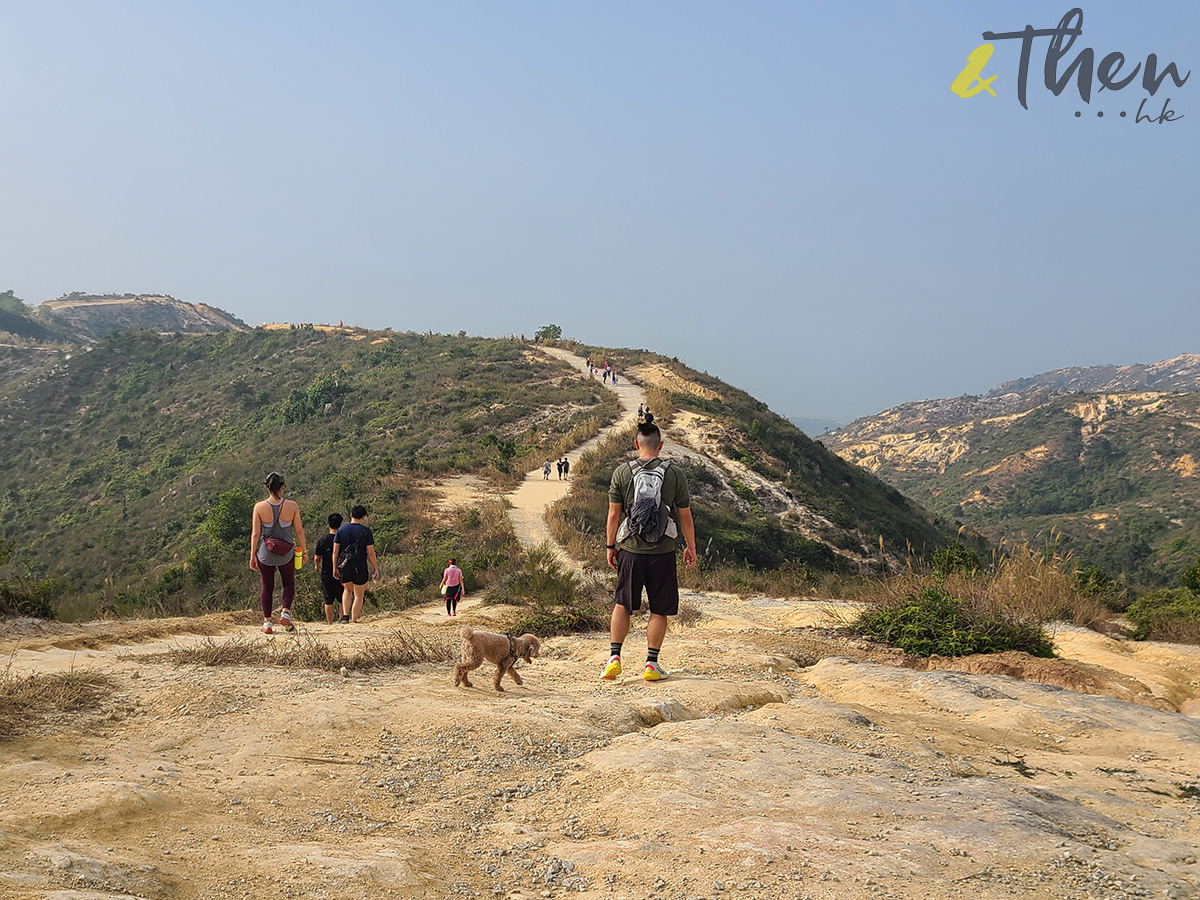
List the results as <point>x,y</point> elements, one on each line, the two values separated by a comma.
<point>648,517</point>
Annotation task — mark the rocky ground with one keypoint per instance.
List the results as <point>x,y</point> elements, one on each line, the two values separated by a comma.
<point>778,761</point>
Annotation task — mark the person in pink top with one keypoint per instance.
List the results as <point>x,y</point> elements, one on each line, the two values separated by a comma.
<point>452,587</point>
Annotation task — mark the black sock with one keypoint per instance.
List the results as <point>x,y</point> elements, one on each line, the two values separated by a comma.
<point>652,654</point>
<point>616,650</point>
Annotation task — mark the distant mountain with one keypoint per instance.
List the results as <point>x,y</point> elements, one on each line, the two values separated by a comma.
<point>1105,458</point>
<point>1182,373</point>
<point>92,316</point>
<point>813,427</point>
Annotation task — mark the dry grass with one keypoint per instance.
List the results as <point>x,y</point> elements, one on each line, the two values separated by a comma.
<point>25,699</point>
<point>1035,585</point>
<point>786,581</point>
<point>689,615</point>
<point>399,647</point>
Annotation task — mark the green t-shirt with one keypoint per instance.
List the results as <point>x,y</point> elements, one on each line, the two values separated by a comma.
<point>674,493</point>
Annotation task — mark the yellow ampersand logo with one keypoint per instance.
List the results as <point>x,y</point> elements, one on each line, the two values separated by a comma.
<point>968,83</point>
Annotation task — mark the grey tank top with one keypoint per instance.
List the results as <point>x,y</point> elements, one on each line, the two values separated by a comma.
<point>279,530</point>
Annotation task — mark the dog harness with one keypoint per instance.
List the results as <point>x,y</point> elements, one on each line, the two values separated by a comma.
<point>512,649</point>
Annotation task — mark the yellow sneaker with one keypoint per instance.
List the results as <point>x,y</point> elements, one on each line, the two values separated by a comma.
<point>654,672</point>
<point>613,669</point>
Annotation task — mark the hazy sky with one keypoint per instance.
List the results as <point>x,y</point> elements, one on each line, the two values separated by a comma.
<point>787,195</point>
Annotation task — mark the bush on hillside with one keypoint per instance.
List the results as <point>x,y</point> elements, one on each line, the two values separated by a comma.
<point>1171,614</point>
<point>957,557</point>
<point>552,599</point>
<point>934,622</point>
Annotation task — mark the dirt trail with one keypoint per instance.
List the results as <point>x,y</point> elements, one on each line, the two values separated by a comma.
<point>536,494</point>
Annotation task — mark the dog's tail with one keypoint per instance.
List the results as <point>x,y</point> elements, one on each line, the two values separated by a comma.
<point>466,631</point>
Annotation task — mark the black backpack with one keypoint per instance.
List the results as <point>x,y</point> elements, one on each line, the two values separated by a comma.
<point>350,557</point>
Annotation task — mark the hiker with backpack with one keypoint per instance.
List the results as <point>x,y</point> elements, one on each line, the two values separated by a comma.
<point>276,536</point>
<point>649,506</point>
<point>353,561</point>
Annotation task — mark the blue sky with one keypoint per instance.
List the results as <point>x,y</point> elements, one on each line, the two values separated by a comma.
<point>786,195</point>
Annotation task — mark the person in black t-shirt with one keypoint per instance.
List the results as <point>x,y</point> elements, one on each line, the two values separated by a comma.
<point>363,566</point>
<point>331,588</point>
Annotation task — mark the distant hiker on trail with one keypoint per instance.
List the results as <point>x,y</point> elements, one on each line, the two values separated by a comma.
<point>566,467</point>
<point>452,587</point>
<point>323,563</point>
<point>641,412</point>
<point>613,377</point>
<point>558,465</point>
<point>648,506</point>
<point>353,560</point>
<point>276,536</point>
<point>546,470</point>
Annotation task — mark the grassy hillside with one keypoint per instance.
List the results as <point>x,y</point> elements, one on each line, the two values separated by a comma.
<point>129,471</point>
<point>826,514</point>
<point>1112,477</point>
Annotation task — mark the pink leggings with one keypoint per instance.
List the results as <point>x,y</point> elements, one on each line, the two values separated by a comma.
<point>287,576</point>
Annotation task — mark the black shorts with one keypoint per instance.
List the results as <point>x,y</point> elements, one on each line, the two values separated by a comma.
<point>653,571</point>
<point>354,577</point>
<point>331,588</point>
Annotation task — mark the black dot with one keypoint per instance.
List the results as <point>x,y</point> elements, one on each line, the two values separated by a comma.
<point>1078,114</point>
<point>1122,114</point>
<point>1100,114</point>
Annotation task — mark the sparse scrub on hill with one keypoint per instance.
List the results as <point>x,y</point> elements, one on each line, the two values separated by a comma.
<point>139,459</point>
<point>22,594</point>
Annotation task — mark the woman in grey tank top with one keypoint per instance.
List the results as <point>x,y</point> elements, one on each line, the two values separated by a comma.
<point>276,518</point>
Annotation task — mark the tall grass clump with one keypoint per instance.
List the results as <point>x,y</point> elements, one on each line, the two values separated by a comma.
<point>959,605</point>
<point>1032,584</point>
<point>932,622</point>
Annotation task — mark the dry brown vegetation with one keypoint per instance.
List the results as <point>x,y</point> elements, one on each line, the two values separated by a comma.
<point>398,647</point>
<point>26,698</point>
<point>1037,585</point>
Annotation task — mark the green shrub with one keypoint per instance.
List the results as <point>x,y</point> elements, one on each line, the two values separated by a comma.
<point>229,518</point>
<point>553,599</point>
<point>1171,614</point>
<point>957,557</point>
<point>933,622</point>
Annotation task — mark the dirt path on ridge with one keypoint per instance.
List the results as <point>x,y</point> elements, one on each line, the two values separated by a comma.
<point>535,495</point>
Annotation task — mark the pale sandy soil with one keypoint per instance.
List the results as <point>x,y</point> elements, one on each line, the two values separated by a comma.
<point>778,761</point>
<point>764,765</point>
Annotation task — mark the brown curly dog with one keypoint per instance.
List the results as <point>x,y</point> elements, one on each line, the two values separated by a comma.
<point>501,649</point>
